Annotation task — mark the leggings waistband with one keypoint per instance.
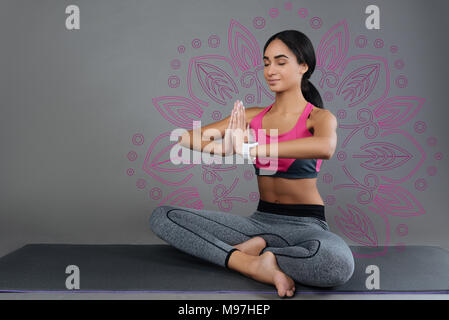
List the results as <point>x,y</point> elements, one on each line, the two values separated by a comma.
<point>297,210</point>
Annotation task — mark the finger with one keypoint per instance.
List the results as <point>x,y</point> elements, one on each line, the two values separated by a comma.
<point>242,117</point>
<point>232,129</point>
<point>230,119</point>
<point>239,117</point>
<point>238,114</point>
<point>244,113</point>
<point>233,109</point>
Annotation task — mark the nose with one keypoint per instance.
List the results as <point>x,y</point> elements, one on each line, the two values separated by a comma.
<point>270,70</point>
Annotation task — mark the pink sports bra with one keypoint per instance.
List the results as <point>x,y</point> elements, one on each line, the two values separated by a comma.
<point>283,167</point>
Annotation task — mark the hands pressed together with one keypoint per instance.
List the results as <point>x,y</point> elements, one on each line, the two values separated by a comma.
<point>237,131</point>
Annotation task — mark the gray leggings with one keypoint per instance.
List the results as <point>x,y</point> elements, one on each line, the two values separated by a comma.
<point>304,247</point>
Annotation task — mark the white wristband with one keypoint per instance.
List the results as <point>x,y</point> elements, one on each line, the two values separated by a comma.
<point>246,149</point>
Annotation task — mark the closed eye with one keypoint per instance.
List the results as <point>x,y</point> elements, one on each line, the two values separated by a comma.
<point>281,64</point>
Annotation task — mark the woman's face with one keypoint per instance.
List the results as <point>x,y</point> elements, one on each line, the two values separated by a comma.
<point>280,64</point>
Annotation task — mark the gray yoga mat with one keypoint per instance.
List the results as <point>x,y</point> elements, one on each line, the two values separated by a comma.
<point>163,268</point>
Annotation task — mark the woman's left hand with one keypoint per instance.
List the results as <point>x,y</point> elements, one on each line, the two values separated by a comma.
<point>239,129</point>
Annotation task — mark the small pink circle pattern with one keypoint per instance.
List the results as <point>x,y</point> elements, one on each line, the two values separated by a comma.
<point>141,184</point>
<point>155,193</point>
<point>327,178</point>
<point>254,196</point>
<point>132,156</point>
<point>175,64</point>
<point>274,12</point>
<point>438,156</point>
<point>432,141</point>
<point>259,22</point>
<point>421,184</point>
<point>196,43</point>
<point>432,171</point>
<point>328,96</point>
<point>181,49</point>
<point>174,81</point>
<point>138,139</point>
<point>216,115</point>
<point>401,81</point>
<point>330,200</point>
<point>316,22</point>
<point>361,41</point>
<point>402,229</point>
<point>250,98</point>
<point>248,174</point>
<point>378,43</point>
<point>341,155</point>
<point>214,41</point>
<point>420,127</point>
<point>399,64</point>
<point>303,13</point>
<point>341,114</point>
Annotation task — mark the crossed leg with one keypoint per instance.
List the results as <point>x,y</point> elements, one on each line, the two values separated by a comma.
<point>305,253</point>
<point>210,234</point>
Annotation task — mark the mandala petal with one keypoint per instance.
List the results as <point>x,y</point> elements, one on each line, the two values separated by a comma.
<point>211,74</point>
<point>157,163</point>
<point>406,154</point>
<point>179,111</point>
<point>417,152</point>
<point>383,156</point>
<point>366,80</point>
<point>243,45</point>
<point>333,47</point>
<point>397,201</point>
<point>396,111</point>
<point>187,197</point>
<point>357,226</point>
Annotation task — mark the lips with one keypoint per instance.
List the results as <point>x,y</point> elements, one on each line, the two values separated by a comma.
<point>273,81</point>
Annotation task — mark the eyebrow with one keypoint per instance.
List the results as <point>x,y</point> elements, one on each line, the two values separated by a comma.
<point>277,57</point>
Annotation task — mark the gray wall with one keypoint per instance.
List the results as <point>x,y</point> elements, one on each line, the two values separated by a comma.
<point>71,102</point>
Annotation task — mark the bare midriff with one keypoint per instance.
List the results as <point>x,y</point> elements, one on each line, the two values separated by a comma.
<point>289,191</point>
<point>284,190</point>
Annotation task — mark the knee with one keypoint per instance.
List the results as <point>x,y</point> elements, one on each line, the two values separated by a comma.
<point>336,267</point>
<point>158,218</point>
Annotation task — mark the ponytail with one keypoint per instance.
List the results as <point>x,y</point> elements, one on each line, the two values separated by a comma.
<point>310,93</point>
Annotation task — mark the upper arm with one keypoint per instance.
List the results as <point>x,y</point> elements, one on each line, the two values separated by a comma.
<point>325,126</point>
<point>223,124</point>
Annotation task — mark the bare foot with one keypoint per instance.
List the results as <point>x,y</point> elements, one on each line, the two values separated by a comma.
<point>252,246</point>
<point>266,269</point>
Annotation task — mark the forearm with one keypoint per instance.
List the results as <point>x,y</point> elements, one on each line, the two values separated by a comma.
<point>303,148</point>
<point>213,147</point>
<point>206,146</point>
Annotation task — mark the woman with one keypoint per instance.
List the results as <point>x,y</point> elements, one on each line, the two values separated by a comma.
<point>287,239</point>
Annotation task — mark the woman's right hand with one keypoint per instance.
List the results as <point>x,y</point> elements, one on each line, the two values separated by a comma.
<point>228,147</point>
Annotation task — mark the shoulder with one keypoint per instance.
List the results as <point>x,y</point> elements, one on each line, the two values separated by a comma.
<point>254,110</point>
<point>251,112</point>
<point>323,117</point>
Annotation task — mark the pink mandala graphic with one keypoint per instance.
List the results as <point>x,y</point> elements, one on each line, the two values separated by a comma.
<point>381,151</point>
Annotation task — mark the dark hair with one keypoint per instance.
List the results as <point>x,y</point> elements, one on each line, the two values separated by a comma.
<point>302,47</point>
